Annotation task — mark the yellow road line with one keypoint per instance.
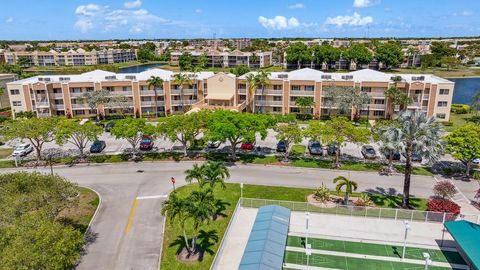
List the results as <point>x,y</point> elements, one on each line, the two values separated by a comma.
<point>130,217</point>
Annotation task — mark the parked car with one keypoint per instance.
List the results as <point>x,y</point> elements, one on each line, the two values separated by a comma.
<point>315,148</point>
<point>476,162</point>
<point>247,146</point>
<point>214,144</point>
<point>282,146</point>
<point>368,152</point>
<point>146,143</point>
<point>109,126</point>
<point>97,146</point>
<point>395,156</point>
<point>415,157</point>
<point>331,149</point>
<point>22,150</point>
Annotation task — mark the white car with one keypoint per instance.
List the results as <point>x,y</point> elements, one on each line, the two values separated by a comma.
<point>22,150</point>
<point>476,162</point>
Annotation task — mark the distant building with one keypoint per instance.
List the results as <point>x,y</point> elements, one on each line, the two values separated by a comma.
<point>4,79</point>
<point>78,57</point>
<point>227,59</point>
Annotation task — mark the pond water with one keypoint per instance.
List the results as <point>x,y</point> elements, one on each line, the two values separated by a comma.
<point>465,89</point>
<point>139,68</point>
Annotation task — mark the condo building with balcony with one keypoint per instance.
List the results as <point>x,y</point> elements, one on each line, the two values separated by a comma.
<point>64,94</point>
<point>227,59</point>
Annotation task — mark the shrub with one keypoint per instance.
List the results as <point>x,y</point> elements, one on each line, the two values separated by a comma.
<point>474,119</point>
<point>444,189</point>
<point>476,175</point>
<point>97,159</point>
<point>444,206</point>
<point>322,194</point>
<point>364,200</point>
<point>115,158</point>
<point>447,123</point>
<point>461,108</point>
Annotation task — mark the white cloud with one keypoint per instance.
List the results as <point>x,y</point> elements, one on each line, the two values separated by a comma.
<point>93,17</point>
<point>198,10</point>
<point>278,22</point>
<point>353,20</point>
<point>9,20</point>
<point>364,3</point>
<point>296,6</point>
<point>132,4</point>
<point>467,13</point>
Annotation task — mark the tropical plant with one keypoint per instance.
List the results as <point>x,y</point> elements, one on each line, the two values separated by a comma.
<point>256,81</point>
<point>364,200</point>
<point>417,134</point>
<point>304,104</point>
<point>176,209</point>
<point>214,173</point>
<point>390,54</point>
<point>155,82</point>
<point>194,174</point>
<point>181,79</point>
<point>396,97</point>
<point>72,131</point>
<point>388,147</point>
<point>464,145</point>
<point>350,186</point>
<point>444,206</point>
<point>290,134</point>
<point>444,189</point>
<point>132,130</point>
<point>322,193</point>
<point>94,99</point>
<point>346,99</point>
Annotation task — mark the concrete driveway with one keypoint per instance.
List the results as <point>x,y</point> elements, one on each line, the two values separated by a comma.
<point>128,229</point>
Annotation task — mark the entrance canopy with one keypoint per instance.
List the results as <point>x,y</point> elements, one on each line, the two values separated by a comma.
<point>467,236</point>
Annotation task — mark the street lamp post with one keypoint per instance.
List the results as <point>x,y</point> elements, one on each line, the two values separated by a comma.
<point>368,116</point>
<point>407,228</point>
<point>308,247</point>
<point>426,256</point>
<point>307,217</point>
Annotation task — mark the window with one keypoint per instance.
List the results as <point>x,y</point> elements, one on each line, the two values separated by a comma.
<point>277,98</point>
<point>143,87</point>
<point>16,103</point>
<point>378,113</point>
<point>294,110</point>
<point>293,99</point>
<point>277,87</point>
<point>442,104</point>
<point>309,88</point>
<point>126,88</point>
<point>379,101</point>
<point>295,87</point>
<point>242,97</point>
<point>242,86</point>
<point>444,91</point>
<point>277,109</point>
<point>363,112</point>
<point>366,89</point>
<point>89,89</point>
<point>441,116</point>
<point>14,92</point>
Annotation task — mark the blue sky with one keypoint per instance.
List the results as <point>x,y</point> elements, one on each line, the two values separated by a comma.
<point>99,19</point>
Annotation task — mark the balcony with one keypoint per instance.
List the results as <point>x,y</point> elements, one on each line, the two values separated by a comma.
<point>268,103</point>
<point>414,105</point>
<point>377,94</point>
<point>269,92</point>
<point>120,93</point>
<point>77,94</point>
<point>80,106</point>
<point>301,93</point>
<point>151,93</point>
<point>59,106</point>
<point>185,102</point>
<point>186,91</point>
<point>242,91</point>
<point>424,108</point>
<point>426,97</point>
<point>57,95</point>
<point>152,103</point>
<point>42,104</point>
<point>376,106</point>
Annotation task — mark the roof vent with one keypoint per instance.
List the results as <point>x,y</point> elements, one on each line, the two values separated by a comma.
<point>418,78</point>
<point>41,79</point>
<point>282,76</point>
<point>326,77</point>
<point>110,77</point>
<point>64,79</point>
<point>130,77</point>
<point>347,77</point>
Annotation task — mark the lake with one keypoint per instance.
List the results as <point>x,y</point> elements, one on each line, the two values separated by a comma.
<point>139,68</point>
<point>465,89</point>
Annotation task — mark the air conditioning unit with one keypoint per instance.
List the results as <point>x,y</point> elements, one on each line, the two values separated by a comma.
<point>130,77</point>
<point>282,76</point>
<point>110,77</point>
<point>326,77</point>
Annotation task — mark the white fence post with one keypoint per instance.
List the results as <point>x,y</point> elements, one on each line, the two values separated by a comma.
<point>411,217</point>
<point>380,213</point>
<point>426,216</point>
<point>444,216</point>
<point>396,214</point>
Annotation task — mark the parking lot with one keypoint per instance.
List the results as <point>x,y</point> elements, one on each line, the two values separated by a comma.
<point>268,146</point>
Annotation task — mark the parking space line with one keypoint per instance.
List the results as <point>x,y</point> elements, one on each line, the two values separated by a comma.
<point>131,216</point>
<point>151,197</point>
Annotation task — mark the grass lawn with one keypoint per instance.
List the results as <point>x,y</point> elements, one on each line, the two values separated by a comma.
<point>298,150</point>
<point>81,213</point>
<point>458,120</point>
<point>5,152</point>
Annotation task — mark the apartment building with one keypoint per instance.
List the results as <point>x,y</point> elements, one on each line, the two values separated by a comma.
<point>227,59</point>
<point>78,57</point>
<point>62,94</point>
<point>4,79</point>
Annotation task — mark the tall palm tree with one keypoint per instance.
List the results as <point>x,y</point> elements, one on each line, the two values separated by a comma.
<point>180,79</point>
<point>349,185</point>
<point>416,133</point>
<point>201,207</point>
<point>213,173</point>
<point>176,208</point>
<point>263,81</point>
<point>154,82</point>
<point>252,89</point>
<point>396,97</point>
<point>195,173</point>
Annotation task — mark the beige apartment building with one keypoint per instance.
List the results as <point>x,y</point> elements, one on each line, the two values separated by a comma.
<point>78,57</point>
<point>227,59</point>
<point>62,94</point>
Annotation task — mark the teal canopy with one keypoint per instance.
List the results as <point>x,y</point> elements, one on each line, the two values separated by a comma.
<point>467,236</point>
<point>266,244</point>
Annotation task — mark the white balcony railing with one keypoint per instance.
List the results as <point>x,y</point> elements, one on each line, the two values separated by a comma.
<point>185,102</point>
<point>301,93</point>
<point>270,92</point>
<point>152,103</point>
<point>268,103</point>
<point>151,92</point>
<point>121,93</point>
<point>76,94</point>
<point>80,106</point>
<point>43,104</point>
<point>57,95</point>
<point>186,91</point>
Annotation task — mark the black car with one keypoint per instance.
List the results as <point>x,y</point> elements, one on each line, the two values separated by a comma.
<point>415,157</point>
<point>368,152</point>
<point>395,156</point>
<point>315,148</point>
<point>282,146</point>
<point>100,124</point>
<point>331,150</point>
<point>97,146</point>
<point>109,126</point>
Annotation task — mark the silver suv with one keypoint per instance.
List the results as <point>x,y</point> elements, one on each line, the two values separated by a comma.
<point>22,150</point>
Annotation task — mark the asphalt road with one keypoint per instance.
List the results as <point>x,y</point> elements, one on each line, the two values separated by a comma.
<point>127,231</point>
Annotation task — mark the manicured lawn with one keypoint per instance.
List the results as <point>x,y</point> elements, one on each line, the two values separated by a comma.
<point>458,120</point>
<point>5,152</point>
<point>80,214</point>
<point>298,150</point>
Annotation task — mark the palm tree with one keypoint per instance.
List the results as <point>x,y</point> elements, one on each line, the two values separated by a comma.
<point>263,81</point>
<point>155,82</point>
<point>201,207</point>
<point>180,79</point>
<point>213,173</point>
<point>176,208</point>
<point>195,173</point>
<point>416,133</point>
<point>396,97</point>
<point>349,185</point>
<point>252,89</point>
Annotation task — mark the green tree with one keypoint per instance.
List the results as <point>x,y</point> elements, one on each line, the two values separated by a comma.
<point>347,99</point>
<point>476,102</point>
<point>305,104</point>
<point>417,134</point>
<point>236,127</point>
<point>325,54</point>
<point>358,53</point>
<point>396,97</point>
<point>182,128</point>
<point>72,131</point>
<point>389,54</point>
<point>194,174</point>
<point>298,53</point>
<point>338,131</point>
<point>214,173</point>
<point>155,82</point>
<point>388,147</point>
<point>95,99</point>
<point>24,62</point>
<point>240,70</point>
<point>314,131</point>
<point>36,242</point>
<point>350,186</point>
<point>132,130</point>
<point>181,79</point>
<point>291,134</point>
<point>464,145</point>
<point>37,131</point>
<point>450,62</point>
<point>176,209</point>
<point>185,61</point>
<point>256,81</point>
<point>202,61</point>
<point>442,49</point>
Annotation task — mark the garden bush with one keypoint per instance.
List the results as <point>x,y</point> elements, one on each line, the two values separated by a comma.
<point>322,194</point>
<point>461,108</point>
<point>444,206</point>
<point>97,159</point>
<point>447,123</point>
<point>444,189</point>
